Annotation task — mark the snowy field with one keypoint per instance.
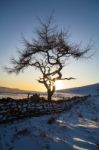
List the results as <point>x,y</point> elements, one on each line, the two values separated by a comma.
<point>75,129</point>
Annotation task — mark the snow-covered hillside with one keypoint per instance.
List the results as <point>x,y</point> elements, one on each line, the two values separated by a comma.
<point>75,129</point>
<point>84,90</point>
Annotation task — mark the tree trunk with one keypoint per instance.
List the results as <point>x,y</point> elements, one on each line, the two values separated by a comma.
<point>50,93</point>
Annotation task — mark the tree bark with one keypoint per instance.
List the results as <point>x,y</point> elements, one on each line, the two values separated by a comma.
<point>50,93</point>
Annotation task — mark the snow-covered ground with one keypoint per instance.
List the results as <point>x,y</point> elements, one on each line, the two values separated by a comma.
<point>76,129</point>
<point>92,89</point>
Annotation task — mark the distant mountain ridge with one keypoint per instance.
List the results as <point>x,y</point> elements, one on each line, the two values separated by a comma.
<point>14,90</point>
<point>88,89</point>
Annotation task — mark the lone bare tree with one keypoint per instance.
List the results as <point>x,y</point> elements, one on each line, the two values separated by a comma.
<point>48,53</point>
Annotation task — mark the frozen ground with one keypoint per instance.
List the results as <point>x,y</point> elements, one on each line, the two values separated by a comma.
<point>92,89</point>
<point>76,129</point>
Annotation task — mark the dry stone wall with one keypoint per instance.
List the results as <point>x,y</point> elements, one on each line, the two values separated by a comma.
<point>11,110</point>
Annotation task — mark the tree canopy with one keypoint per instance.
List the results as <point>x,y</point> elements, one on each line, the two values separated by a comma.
<point>48,53</point>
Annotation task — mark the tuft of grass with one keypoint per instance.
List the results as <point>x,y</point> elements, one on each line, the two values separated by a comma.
<point>51,120</point>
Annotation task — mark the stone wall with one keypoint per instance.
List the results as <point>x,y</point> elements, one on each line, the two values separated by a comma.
<point>11,110</point>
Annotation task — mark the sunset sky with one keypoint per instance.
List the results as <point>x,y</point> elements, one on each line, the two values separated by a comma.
<point>19,17</point>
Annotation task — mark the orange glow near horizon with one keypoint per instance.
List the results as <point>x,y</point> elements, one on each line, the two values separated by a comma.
<point>32,87</point>
<point>35,88</point>
<point>28,82</point>
<point>24,86</point>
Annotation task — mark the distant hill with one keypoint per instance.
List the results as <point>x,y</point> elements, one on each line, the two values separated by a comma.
<point>12,90</point>
<point>84,90</point>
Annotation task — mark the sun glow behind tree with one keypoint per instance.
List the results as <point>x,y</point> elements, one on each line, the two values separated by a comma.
<point>59,84</point>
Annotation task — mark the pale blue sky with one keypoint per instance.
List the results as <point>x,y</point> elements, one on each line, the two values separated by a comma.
<point>18,17</point>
